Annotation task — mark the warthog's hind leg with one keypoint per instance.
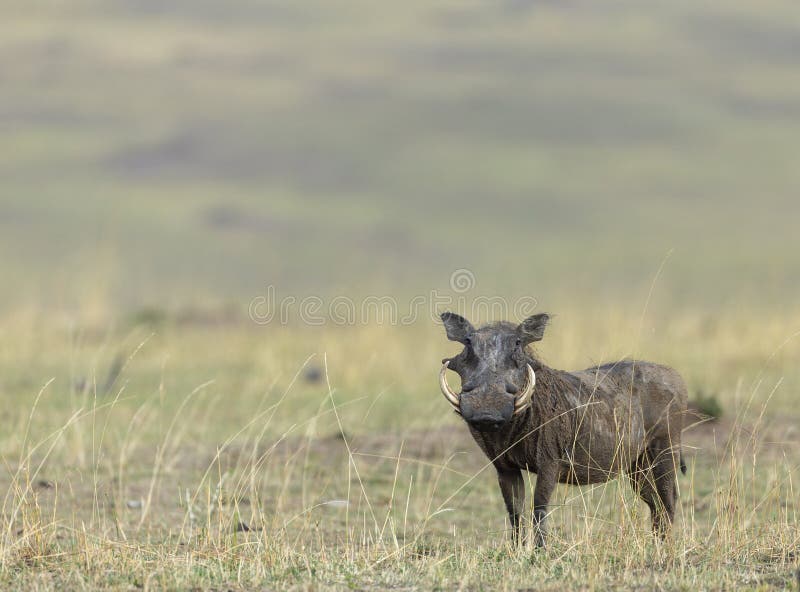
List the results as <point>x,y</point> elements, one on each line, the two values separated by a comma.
<point>665,472</point>
<point>641,478</point>
<point>653,477</point>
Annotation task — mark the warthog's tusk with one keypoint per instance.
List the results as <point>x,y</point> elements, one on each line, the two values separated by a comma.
<point>451,397</point>
<point>524,398</point>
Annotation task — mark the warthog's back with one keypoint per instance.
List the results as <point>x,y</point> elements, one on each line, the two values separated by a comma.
<point>657,391</point>
<point>622,408</point>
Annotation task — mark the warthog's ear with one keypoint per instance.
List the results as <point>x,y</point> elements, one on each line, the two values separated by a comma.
<point>458,328</point>
<point>532,328</point>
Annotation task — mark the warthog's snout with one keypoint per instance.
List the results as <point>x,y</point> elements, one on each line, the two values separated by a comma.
<point>486,412</point>
<point>487,425</point>
<point>488,403</point>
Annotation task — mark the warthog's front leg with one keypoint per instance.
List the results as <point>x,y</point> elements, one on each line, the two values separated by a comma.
<point>546,479</point>
<point>512,485</point>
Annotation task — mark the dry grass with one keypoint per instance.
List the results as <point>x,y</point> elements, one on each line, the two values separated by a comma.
<point>212,458</point>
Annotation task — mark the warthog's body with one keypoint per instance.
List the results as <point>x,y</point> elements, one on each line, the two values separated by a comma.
<point>580,427</point>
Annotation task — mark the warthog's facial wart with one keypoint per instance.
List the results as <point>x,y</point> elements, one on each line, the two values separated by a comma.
<point>497,379</point>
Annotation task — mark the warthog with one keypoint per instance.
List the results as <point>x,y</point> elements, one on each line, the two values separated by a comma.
<point>566,427</point>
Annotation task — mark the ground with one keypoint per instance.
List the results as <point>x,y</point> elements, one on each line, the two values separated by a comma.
<point>232,457</point>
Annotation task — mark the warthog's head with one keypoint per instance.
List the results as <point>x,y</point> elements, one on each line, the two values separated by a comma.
<point>497,379</point>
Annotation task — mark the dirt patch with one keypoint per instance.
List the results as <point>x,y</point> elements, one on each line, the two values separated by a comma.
<point>713,439</point>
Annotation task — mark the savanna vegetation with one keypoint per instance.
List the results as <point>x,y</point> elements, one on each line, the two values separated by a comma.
<point>164,165</point>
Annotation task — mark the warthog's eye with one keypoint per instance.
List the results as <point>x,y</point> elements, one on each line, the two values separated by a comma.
<point>467,341</point>
<point>519,342</point>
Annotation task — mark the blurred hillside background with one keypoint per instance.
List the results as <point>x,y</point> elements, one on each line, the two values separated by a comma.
<point>192,152</point>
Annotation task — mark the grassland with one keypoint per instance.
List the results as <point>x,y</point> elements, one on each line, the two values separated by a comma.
<point>360,477</point>
<point>631,166</point>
